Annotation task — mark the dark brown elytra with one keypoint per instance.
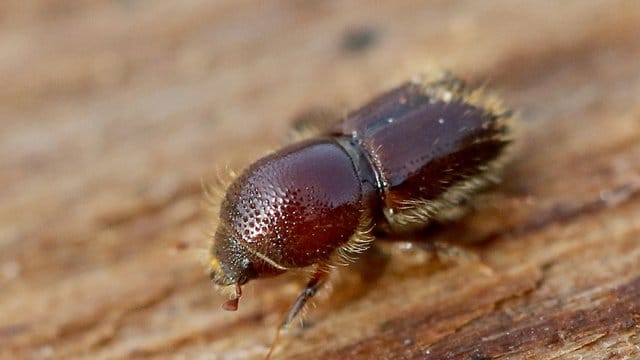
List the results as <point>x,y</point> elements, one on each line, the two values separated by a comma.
<point>408,157</point>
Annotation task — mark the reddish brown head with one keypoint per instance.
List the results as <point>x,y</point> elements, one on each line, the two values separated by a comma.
<point>288,210</point>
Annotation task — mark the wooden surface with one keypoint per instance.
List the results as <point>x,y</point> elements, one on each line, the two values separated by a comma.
<point>111,112</point>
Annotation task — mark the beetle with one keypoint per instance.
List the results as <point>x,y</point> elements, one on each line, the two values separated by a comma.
<point>409,157</point>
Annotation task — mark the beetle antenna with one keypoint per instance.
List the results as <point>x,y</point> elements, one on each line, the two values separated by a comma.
<point>232,305</point>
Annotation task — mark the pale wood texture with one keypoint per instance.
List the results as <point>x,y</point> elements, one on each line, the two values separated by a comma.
<point>111,112</point>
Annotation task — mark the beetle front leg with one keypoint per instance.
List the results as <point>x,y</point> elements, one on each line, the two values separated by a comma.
<point>319,277</point>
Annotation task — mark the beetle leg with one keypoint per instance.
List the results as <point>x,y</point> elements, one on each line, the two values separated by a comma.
<point>312,122</point>
<point>447,253</point>
<point>319,277</point>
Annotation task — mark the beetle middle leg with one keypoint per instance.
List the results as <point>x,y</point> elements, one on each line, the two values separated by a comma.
<point>444,252</point>
<point>448,253</point>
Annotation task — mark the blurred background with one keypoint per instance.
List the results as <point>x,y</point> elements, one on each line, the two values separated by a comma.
<point>111,113</point>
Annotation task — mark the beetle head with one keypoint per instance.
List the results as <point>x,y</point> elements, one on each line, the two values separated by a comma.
<point>230,265</point>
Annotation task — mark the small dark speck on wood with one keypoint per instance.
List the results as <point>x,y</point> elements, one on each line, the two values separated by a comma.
<point>360,38</point>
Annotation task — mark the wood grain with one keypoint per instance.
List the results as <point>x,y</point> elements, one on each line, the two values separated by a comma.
<point>111,112</point>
